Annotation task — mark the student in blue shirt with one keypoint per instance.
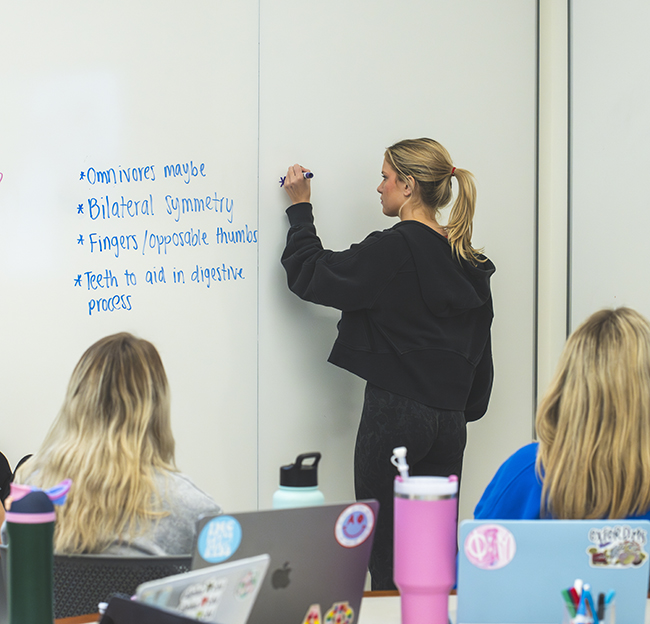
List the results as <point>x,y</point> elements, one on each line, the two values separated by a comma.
<point>593,426</point>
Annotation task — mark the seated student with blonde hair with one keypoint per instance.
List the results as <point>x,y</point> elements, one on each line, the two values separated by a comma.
<point>113,438</point>
<point>592,460</point>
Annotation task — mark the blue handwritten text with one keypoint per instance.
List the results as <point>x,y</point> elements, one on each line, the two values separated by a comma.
<point>125,208</point>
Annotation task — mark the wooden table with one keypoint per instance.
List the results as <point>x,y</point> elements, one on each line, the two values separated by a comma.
<point>78,619</point>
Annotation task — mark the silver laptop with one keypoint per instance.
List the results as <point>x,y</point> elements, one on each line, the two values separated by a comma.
<point>222,593</point>
<point>319,558</point>
<point>514,571</point>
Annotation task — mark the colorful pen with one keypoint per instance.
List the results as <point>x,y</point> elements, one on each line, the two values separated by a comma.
<point>601,607</point>
<point>586,592</point>
<point>568,601</point>
<point>581,615</point>
<point>577,585</point>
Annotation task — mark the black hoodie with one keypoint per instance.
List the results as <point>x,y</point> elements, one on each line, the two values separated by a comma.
<point>416,320</point>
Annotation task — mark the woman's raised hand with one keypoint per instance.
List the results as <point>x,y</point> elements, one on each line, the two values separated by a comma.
<point>298,187</point>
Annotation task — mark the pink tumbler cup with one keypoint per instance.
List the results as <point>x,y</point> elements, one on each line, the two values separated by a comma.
<point>425,546</point>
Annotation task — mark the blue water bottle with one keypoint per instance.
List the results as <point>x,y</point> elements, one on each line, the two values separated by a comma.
<point>30,530</point>
<point>299,484</point>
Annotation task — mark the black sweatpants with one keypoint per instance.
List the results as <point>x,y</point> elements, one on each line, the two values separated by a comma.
<point>435,442</point>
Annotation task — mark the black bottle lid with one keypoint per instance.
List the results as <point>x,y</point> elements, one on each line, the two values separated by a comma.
<point>301,474</point>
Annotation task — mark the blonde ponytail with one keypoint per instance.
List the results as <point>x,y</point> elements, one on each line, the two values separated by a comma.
<point>430,166</point>
<point>461,217</point>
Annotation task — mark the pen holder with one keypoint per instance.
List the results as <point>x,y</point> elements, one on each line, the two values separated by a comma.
<point>425,546</point>
<point>609,616</point>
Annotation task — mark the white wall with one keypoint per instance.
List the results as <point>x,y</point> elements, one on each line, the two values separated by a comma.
<point>610,156</point>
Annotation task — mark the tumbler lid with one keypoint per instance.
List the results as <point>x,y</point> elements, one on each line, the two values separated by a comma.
<point>34,508</point>
<point>301,474</point>
<point>30,505</point>
<point>427,487</point>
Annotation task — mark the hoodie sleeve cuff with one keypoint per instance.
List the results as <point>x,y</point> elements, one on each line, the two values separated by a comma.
<point>300,213</point>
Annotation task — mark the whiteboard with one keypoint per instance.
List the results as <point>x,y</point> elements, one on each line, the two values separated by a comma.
<point>238,90</point>
<point>118,119</point>
<point>610,156</point>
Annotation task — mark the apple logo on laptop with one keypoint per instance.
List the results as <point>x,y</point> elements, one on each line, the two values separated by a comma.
<point>280,578</point>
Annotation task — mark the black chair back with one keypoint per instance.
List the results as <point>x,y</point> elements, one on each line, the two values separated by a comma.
<point>81,582</point>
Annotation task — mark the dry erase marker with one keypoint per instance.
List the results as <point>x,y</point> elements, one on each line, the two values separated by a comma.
<point>307,175</point>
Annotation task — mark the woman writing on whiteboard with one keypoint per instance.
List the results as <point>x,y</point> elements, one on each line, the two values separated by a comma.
<point>113,438</point>
<point>592,458</point>
<point>416,317</point>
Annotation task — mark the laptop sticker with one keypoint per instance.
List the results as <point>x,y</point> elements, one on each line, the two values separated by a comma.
<point>201,600</point>
<point>219,539</point>
<point>617,546</point>
<point>247,584</point>
<point>157,597</point>
<point>313,615</point>
<point>490,547</point>
<point>340,613</point>
<point>354,525</point>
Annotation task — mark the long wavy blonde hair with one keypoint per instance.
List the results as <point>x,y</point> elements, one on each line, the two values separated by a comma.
<point>594,422</point>
<point>430,165</point>
<point>110,436</point>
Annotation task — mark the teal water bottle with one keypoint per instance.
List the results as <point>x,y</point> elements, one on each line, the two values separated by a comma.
<point>30,530</point>
<point>299,484</point>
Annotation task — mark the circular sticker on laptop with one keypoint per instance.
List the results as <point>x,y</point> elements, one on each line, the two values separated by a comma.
<point>219,539</point>
<point>354,525</point>
<point>490,546</point>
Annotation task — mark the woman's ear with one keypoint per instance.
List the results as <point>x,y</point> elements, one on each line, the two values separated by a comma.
<point>410,186</point>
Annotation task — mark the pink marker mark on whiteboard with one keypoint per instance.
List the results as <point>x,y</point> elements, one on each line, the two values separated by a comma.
<point>490,547</point>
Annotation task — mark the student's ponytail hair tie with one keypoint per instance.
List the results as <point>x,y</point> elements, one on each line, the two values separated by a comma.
<point>452,170</point>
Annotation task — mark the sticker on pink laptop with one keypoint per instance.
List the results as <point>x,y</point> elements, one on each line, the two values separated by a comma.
<point>490,547</point>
